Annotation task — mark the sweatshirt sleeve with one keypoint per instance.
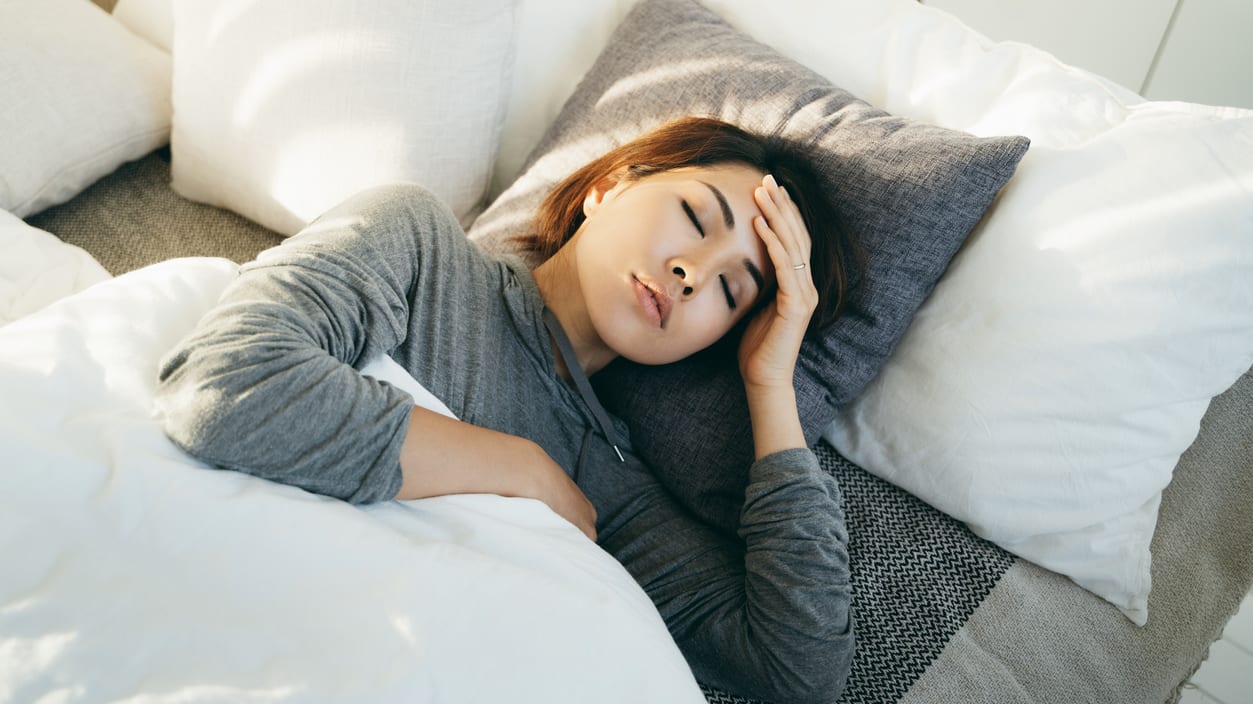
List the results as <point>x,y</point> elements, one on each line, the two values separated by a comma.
<point>767,617</point>
<point>266,382</point>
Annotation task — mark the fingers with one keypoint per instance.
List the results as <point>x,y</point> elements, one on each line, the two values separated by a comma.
<point>587,524</point>
<point>775,248</point>
<point>588,529</point>
<point>784,219</point>
<point>788,244</point>
<point>578,509</point>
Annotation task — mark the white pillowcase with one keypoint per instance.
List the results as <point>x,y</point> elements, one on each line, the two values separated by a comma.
<point>280,111</point>
<point>558,41</point>
<point>136,573</point>
<point>79,96</point>
<point>151,19</point>
<point>38,268</point>
<point>1048,387</point>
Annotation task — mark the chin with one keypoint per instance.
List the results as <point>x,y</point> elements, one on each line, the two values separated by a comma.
<point>651,359</point>
<point>652,353</point>
<point>644,344</point>
<point>644,349</point>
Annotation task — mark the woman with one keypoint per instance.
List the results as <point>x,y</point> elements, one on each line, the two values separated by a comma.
<point>653,252</point>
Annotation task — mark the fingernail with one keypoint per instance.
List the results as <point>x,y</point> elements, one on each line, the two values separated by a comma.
<point>770,178</point>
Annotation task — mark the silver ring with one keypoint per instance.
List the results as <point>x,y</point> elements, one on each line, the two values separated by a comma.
<point>798,267</point>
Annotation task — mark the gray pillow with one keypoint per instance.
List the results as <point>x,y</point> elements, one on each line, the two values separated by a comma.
<point>909,192</point>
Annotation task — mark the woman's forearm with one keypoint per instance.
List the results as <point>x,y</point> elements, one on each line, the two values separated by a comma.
<point>775,420</point>
<point>442,455</point>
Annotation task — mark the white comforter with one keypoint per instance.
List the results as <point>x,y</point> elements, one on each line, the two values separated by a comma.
<point>132,573</point>
<point>36,268</point>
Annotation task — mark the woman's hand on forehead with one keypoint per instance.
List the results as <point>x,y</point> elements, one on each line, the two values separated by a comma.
<point>773,338</point>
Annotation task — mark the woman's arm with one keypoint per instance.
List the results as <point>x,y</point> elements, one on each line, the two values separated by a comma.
<point>775,421</point>
<point>766,615</point>
<point>794,627</point>
<point>442,456</point>
<point>772,340</point>
<point>266,382</point>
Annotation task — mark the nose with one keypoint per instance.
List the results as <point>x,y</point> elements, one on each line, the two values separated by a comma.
<point>687,284</point>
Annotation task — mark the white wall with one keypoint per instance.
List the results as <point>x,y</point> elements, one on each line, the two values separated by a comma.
<point>1208,56</point>
<point>1194,50</point>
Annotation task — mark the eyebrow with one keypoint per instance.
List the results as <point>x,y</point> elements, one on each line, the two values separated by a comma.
<point>727,216</point>
<point>754,272</point>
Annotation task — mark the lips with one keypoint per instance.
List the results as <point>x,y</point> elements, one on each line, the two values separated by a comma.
<point>654,300</point>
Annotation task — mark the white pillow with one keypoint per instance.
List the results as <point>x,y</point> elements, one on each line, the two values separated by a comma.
<point>135,573</point>
<point>151,19</point>
<point>1048,387</point>
<point>281,112</point>
<point>38,268</point>
<point>558,41</point>
<point>79,96</point>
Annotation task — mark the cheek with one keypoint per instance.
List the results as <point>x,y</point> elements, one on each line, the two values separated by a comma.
<point>710,321</point>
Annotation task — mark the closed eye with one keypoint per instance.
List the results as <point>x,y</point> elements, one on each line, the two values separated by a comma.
<point>691,214</point>
<point>727,290</point>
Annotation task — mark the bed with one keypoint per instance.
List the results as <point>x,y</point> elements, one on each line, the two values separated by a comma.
<point>136,574</point>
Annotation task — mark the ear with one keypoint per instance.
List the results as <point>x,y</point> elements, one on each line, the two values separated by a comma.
<point>604,190</point>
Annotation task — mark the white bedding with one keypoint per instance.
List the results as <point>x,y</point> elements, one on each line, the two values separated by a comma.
<point>135,574</point>
<point>37,268</point>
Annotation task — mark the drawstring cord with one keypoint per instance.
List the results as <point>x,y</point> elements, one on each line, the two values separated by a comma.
<point>578,468</point>
<point>580,382</point>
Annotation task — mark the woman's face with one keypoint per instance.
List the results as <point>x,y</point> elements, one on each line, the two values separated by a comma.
<point>668,264</point>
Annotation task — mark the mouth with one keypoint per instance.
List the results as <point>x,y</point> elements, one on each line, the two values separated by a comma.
<point>654,300</point>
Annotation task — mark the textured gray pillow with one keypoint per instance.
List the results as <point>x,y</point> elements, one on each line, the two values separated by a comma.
<point>909,192</point>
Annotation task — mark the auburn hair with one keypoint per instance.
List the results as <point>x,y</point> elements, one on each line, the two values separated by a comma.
<point>835,261</point>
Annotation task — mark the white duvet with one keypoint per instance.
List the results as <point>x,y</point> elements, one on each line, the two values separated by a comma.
<point>37,268</point>
<point>132,573</point>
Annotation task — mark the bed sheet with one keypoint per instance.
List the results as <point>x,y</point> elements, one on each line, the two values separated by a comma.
<point>135,573</point>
